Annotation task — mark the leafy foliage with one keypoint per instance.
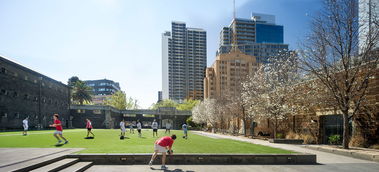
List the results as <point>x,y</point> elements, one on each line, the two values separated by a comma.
<point>120,101</point>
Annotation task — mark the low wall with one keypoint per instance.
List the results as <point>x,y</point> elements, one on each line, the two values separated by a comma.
<point>198,159</point>
<point>286,141</point>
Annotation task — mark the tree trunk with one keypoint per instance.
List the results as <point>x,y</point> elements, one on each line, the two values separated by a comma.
<point>346,130</point>
<point>244,127</point>
<point>275,127</point>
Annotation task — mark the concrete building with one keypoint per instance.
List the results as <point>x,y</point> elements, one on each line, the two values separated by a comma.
<point>184,60</point>
<point>368,15</point>
<point>27,93</point>
<point>102,89</point>
<point>258,36</point>
<point>160,96</point>
<point>227,72</point>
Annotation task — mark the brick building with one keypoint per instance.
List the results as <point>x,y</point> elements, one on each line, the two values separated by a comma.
<point>27,93</point>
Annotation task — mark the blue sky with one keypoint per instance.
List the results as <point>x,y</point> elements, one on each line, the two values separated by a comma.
<point>121,39</point>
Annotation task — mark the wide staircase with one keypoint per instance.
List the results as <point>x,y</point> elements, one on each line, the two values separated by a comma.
<point>58,164</point>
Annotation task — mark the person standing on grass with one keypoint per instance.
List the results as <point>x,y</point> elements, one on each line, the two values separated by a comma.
<point>185,130</point>
<point>139,128</point>
<point>122,127</point>
<point>25,125</point>
<point>131,127</point>
<point>161,146</point>
<point>168,127</point>
<point>89,128</point>
<point>154,125</point>
<point>59,129</point>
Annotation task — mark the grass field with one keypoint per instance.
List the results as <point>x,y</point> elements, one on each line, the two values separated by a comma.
<point>107,141</point>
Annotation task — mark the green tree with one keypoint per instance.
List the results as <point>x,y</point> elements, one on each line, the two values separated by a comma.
<point>81,93</point>
<point>187,104</point>
<point>71,81</point>
<point>119,100</point>
<point>164,103</point>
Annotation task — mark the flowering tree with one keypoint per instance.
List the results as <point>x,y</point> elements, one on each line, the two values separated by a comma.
<point>206,112</point>
<point>267,93</point>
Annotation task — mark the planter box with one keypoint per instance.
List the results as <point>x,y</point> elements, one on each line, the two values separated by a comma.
<point>287,141</point>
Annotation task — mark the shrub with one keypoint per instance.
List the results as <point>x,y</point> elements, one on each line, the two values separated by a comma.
<point>291,135</point>
<point>308,139</point>
<point>357,141</point>
<point>335,139</point>
<point>279,135</point>
<point>375,146</point>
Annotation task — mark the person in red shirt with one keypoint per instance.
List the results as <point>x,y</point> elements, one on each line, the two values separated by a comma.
<point>161,146</point>
<point>58,126</point>
<point>89,128</point>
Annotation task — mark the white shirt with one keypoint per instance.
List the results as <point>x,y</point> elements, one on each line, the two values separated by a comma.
<point>184,126</point>
<point>25,123</point>
<point>154,125</point>
<point>122,125</point>
<point>168,125</point>
<point>139,126</point>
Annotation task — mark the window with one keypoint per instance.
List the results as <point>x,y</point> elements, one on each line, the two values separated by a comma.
<point>97,111</point>
<point>3,70</point>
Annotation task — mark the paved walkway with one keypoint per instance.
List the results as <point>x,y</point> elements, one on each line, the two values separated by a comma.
<point>327,162</point>
<point>14,158</point>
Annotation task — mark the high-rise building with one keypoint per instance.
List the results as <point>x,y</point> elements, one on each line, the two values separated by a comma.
<point>368,15</point>
<point>102,89</point>
<point>184,60</point>
<point>159,96</point>
<point>258,36</point>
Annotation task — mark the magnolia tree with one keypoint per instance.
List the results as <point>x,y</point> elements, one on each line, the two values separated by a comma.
<point>267,92</point>
<point>333,54</point>
<point>206,112</point>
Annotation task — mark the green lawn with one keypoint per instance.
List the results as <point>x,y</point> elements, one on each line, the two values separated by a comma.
<point>107,141</point>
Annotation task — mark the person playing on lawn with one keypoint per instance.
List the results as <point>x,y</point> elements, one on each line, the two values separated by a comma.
<point>25,125</point>
<point>122,127</point>
<point>185,130</point>
<point>89,128</point>
<point>131,127</point>
<point>139,128</point>
<point>161,146</point>
<point>59,129</point>
<point>168,127</point>
<point>154,125</point>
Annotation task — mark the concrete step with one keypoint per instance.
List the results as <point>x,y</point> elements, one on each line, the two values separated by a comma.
<point>28,159</point>
<point>78,167</point>
<point>56,166</point>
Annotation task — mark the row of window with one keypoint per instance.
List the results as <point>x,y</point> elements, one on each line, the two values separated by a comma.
<point>32,98</point>
<point>34,80</point>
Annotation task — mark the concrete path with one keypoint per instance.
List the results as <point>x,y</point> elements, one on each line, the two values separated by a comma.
<point>14,158</point>
<point>327,162</point>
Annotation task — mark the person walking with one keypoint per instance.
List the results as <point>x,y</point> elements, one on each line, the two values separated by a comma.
<point>185,130</point>
<point>154,125</point>
<point>123,129</point>
<point>89,128</point>
<point>59,130</point>
<point>161,146</point>
<point>25,125</point>
<point>139,128</point>
<point>168,128</point>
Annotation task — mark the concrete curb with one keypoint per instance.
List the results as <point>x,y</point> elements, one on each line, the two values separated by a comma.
<point>198,159</point>
<point>348,153</point>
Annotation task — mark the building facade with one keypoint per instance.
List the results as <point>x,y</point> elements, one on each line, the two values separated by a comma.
<point>227,72</point>
<point>102,89</point>
<point>258,36</point>
<point>368,16</point>
<point>184,60</point>
<point>27,93</point>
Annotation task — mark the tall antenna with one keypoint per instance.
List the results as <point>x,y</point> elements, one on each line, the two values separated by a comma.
<point>234,32</point>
